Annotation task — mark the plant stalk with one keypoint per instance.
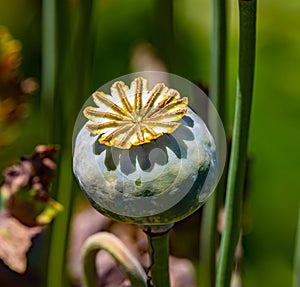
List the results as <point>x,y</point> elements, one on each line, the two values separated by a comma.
<point>237,164</point>
<point>48,68</point>
<point>164,31</point>
<point>71,24</point>
<point>158,244</point>
<point>217,93</point>
<point>110,243</point>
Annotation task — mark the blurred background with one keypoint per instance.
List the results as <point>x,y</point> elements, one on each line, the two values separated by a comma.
<point>127,34</point>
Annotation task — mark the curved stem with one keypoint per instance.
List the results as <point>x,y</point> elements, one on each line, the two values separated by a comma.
<point>159,258</point>
<point>237,165</point>
<point>111,244</point>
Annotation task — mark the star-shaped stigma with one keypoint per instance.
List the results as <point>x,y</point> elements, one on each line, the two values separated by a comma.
<point>134,116</point>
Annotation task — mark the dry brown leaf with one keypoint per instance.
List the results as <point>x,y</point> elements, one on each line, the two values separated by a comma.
<point>26,185</point>
<point>25,205</point>
<point>15,241</point>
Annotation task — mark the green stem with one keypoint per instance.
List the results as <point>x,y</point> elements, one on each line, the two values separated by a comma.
<point>111,244</point>
<point>164,19</point>
<point>296,278</point>
<point>208,239</point>
<point>208,235</point>
<point>72,22</point>
<point>247,12</point>
<point>217,87</point>
<point>159,258</point>
<point>48,68</point>
<point>59,233</point>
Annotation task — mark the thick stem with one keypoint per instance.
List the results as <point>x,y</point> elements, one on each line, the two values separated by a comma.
<point>237,165</point>
<point>110,243</point>
<point>208,235</point>
<point>159,258</point>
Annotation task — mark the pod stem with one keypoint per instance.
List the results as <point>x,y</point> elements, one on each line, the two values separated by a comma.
<point>158,244</point>
<point>114,246</point>
<point>237,164</point>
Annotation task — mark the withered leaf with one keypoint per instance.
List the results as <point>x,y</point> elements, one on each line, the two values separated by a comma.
<point>26,184</point>
<point>15,239</point>
<point>25,204</point>
<point>35,171</point>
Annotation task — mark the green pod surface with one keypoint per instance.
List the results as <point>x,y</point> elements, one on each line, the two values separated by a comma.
<point>157,183</point>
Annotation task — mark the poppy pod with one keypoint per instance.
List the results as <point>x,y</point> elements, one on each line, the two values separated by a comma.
<point>143,155</point>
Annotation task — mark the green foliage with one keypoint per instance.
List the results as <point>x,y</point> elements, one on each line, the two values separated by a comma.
<point>272,205</point>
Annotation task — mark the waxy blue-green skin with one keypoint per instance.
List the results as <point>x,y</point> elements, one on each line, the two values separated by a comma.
<point>152,184</point>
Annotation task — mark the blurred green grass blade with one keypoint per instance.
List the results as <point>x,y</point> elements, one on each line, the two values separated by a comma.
<point>217,93</point>
<point>164,32</point>
<point>48,68</point>
<point>237,165</point>
<point>296,278</point>
<point>59,237</point>
<point>56,272</point>
<point>208,237</point>
<point>72,24</point>
<point>217,88</point>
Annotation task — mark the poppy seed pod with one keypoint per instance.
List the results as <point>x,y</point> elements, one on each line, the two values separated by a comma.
<point>144,156</point>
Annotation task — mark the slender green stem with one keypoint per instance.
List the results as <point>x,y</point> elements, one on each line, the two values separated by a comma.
<point>48,68</point>
<point>296,278</point>
<point>111,244</point>
<point>159,258</point>
<point>217,87</point>
<point>59,236</point>
<point>72,22</point>
<point>56,275</point>
<point>247,12</point>
<point>208,235</point>
<point>164,19</point>
<point>84,53</point>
